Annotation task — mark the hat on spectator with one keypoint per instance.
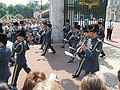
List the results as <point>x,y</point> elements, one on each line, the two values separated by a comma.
<point>16,23</point>
<point>21,22</point>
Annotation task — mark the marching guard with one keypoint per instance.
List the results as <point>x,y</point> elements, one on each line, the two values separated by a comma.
<point>20,48</point>
<point>48,40</point>
<point>5,53</point>
<point>101,35</point>
<point>90,62</point>
<point>66,32</point>
<point>42,33</point>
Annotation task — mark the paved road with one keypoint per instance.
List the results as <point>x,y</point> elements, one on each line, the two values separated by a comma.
<point>57,64</point>
<point>115,35</point>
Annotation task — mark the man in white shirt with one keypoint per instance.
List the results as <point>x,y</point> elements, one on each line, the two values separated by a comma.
<point>109,30</point>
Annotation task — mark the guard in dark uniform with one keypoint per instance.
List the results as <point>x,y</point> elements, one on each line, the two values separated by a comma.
<point>101,35</point>
<point>66,31</point>
<point>90,62</point>
<point>48,40</point>
<point>20,48</point>
<point>13,35</point>
<point>5,53</point>
<point>42,33</point>
<point>83,39</point>
<point>74,40</point>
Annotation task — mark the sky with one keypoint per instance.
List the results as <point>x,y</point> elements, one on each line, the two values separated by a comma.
<point>24,2</point>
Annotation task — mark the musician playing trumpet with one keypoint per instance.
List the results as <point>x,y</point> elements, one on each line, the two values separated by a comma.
<point>89,63</point>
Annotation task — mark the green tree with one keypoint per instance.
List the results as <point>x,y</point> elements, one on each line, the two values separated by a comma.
<point>29,10</point>
<point>25,10</point>
<point>19,16</point>
<point>11,9</point>
<point>45,6</point>
<point>3,10</point>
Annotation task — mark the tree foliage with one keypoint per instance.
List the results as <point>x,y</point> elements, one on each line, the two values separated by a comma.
<point>25,11</point>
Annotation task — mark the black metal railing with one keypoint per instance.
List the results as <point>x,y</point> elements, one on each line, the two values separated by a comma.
<point>74,11</point>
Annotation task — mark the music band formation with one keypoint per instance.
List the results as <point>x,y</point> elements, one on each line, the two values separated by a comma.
<point>85,44</point>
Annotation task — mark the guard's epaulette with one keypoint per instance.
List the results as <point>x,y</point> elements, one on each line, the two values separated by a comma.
<point>99,40</point>
<point>21,48</point>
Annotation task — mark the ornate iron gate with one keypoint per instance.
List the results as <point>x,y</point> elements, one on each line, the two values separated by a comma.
<point>91,11</point>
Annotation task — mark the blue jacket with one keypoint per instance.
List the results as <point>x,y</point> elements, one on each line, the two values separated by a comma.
<point>48,35</point>
<point>20,49</point>
<point>92,52</point>
<point>5,53</point>
<point>101,33</point>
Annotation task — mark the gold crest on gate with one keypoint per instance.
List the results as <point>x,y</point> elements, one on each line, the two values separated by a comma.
<point>90,3</point>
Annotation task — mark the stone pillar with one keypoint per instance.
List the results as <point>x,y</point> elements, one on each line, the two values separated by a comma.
<point>56,16</point>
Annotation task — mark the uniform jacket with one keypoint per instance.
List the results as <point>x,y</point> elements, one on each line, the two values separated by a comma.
<point>5,53</point>
<point>101,33</point>
<point>20,49</point>
<point>92,52</point>
<point>48,35</point>
<point>67,28</point>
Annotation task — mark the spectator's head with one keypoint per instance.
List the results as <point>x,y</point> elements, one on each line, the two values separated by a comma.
<point>33,78</point>
<point>48,85</point>
<point>92,82</point>
<point>119,79</point>
<point>3,86</point>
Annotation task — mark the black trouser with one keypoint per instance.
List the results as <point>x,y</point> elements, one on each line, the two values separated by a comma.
<point>109,33</point>
<point>12,61</point>
<point>43,43</point>
<point>46,47</point>
<point>78,71</point>
<point>16,71</point>
<point>102,52</point>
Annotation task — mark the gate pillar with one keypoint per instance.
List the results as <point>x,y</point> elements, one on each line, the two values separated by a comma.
<point>56,16</point>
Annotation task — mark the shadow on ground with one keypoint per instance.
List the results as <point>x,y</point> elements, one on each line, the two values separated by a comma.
<point>111,80</point>
<point>59,60</point>
<point>105,63</point>
<point>69,85</point>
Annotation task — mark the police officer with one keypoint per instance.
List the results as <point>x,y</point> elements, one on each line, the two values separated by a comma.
<point>5,53</point>
<point>48,40</point>
<point>20,48</point>
<point>101,35</point>
<point>110,27</point>
<point>90,62</point>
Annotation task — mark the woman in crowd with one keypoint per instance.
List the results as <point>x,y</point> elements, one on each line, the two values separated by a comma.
<point>92,82</point>
<point>33,78</point>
